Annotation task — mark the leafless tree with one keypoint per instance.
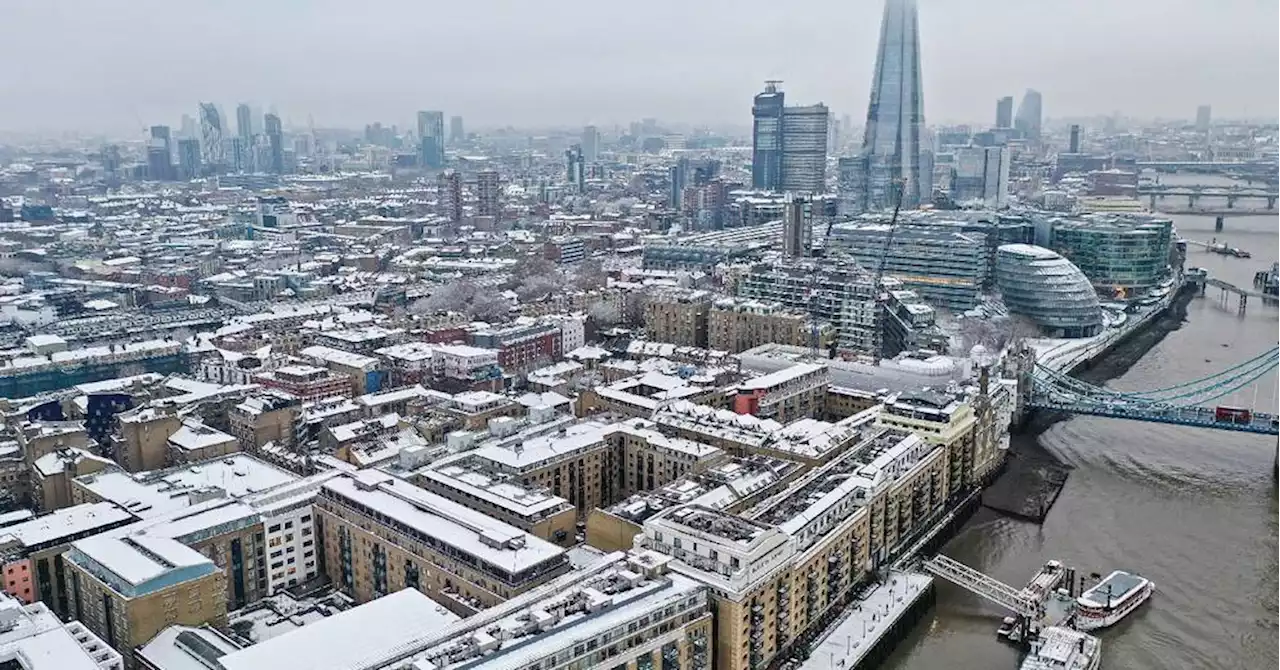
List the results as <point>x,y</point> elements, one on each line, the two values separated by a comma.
<point>463,297</point>
<point>590,274</point>
<point>604,314</point>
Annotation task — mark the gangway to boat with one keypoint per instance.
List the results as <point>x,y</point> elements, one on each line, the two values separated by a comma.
<point>990,588</point>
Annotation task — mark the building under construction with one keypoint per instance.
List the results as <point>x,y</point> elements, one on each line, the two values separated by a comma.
<point>837,291</point>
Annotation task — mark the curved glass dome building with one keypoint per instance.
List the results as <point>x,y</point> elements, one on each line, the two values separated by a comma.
<point>1049,289</point>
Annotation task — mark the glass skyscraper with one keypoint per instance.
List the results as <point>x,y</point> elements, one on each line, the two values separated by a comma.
<point>766,138</point>
<point>895,115</point>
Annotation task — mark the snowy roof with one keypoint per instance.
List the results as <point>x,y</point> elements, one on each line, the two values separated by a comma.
<point>524,501</point>
<point>139,564</point>
<point>345,639</point>
<point>340,357</point>
<point>781,377</point>
<point>155,493</point>
<point>194,435</point>
<point>39,641</point>
<point>471,532</point>
<point>67,522</point>
<point>180,647</point>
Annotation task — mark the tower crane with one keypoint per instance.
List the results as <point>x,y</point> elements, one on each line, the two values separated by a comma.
<point>882,297</point>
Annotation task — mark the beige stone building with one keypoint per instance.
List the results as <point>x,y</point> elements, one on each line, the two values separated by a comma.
<point>125,590</point>
<point>594,464</point>
<point>264,417</point>
<point>143,443</point>
<point>776,570</point>
<point>678,316</point>
<point>533,510</point>
<point>737,324</point>
<point>382,534</point>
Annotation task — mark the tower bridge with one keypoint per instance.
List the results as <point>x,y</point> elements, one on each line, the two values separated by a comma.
<point>1186,404</point>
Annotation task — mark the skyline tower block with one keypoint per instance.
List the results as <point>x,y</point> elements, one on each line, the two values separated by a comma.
<point>431,139</point>
<point>895,113</point>
<point>1030,114</point>
<point>766,138</point>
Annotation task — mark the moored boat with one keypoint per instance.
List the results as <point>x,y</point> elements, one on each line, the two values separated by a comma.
<point>1111,600</point>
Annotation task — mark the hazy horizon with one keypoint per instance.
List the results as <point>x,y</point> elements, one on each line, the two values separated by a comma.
<point>97,68</point>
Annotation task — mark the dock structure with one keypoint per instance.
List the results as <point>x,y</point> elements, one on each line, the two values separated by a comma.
<point>985,586</point>
<point>1037,606</point>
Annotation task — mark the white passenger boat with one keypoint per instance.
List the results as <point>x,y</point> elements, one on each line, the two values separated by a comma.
<point>1111,600</point>
<point>1059,648</point>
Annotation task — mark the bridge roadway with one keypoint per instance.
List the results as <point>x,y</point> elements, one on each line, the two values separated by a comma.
<point>1209,191</point>
<point>1262,423</point>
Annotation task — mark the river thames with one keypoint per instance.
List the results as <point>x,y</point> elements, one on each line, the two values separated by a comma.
<point>1194,510</point>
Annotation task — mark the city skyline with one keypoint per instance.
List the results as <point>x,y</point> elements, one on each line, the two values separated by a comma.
<point>324,66</point>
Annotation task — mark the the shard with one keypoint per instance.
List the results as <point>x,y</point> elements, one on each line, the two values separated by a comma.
<point>895,115</point>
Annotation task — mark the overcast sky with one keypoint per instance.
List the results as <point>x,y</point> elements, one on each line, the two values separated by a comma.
<point>95,65</point>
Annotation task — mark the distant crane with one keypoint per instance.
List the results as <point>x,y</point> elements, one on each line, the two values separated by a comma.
<point>881,296</point>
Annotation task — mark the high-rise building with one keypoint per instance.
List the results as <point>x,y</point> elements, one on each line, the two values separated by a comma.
<point>275,143</point>
<point>1073,143</point>
<point>766,138</point>
<point>833,134</point>
<point>431,139</point>
<point>1029,115</point>
<point>211,136</point>
<point>244,122</point>
<point>189,158</point>
<point>1004,112</point>
<point>449,194</point>
<point>789,144</point>
<point>488,193</point>
<point>895,113</point>
<point>590,144</point>
<point>797,226</point>
<point>804,148</point>
<point>456,132</point>
<point>160,154</point>
<point>1204,114</point>
<point>678,178</point>
<point>188,127</point>
<point>981,173</point>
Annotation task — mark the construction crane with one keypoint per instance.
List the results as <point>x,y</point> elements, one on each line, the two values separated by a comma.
<point>882,297</point>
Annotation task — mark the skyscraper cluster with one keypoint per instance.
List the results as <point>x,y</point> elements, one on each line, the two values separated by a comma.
<point>789,144</point>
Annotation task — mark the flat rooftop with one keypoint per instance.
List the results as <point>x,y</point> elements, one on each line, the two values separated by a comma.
<point>344,640</point>
<point>474,533</point>
<point>155,493</point>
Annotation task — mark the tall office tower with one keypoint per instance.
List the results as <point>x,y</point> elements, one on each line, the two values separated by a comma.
<point>211,136</point>
<point>163,134</point>
<point>449,195</point>
<point>160,154</point>
<point>275,143</point>
<point>982,174</point>
<point>1029,115</point>
<point>678,178</point>
<point>188,127</point>
<point>895,113</point>
<point>238,157</point>
<point>1073,144</point>
<point>189,158</point>
<point>804,148</point>
<point>456,133</point>
<point>489,193</point>
<point>590,144</point>
<point>766,138</point>
<point>431,139</point>
<point>1004,112</point>
<point>244,122</point>
<point>833,134</point>
<point>1204,114</point>
<point>797,228</point>
<point>851,181</point>
<point>244,133</point>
